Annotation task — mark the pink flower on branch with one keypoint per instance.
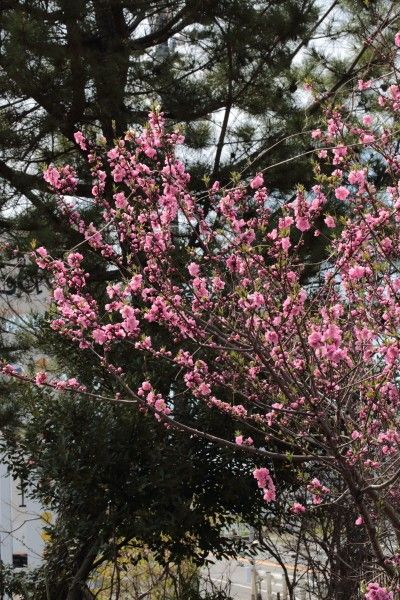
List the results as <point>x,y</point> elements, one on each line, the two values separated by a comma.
<point>63,179</point>
<point>265,482</point>
<point>330,222</point>
<point>257,181</point>
<point>341,193</point>
<point>376,592</point>
<point>310,362</point>
<point>298,508</point>
<point>80,140</point>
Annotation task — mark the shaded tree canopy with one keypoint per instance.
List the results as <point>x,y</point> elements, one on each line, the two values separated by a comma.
<point>116,480</point>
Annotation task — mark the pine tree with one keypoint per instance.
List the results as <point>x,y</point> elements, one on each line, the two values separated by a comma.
<point>224,69</point>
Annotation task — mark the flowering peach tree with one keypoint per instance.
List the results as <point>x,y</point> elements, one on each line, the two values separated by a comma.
<point>310,366</point>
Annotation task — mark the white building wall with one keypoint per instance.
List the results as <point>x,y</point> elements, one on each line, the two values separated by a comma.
<point>21,524</point>
<point>6,542</point>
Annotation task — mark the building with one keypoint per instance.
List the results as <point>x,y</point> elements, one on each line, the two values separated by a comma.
<point>22,519</point>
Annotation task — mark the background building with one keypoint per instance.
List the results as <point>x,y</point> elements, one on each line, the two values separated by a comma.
<point>22,519</point>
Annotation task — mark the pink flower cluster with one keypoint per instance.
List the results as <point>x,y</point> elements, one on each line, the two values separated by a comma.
<point>240,440</point>
<point>153,400</point>
<point>265,482</point>
<point>297,508</point>
<point>311,364</point>
<point>62,179</point>
<point>376,592</point>
<point>318,491</point>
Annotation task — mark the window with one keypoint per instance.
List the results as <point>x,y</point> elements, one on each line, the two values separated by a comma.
<point>20,561</point>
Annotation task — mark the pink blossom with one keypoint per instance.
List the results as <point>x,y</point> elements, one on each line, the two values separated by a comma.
<point>217,283</point>
<point>204,389</point>
<point>265,482</point>
<point>364,85</point>
<point>131,324</point>
<point>271,337</point>
<point>120,200</point>
<point>397,39</point>
<point>136,283</point>
<point>144,388</point>
<point>334,125</point>
<point>270,493</point>
<point>194,269</point>
<point>241,441</point>
<point>262,476</point>
<point>297,508</point>
<point>99,336</point>
<point>367,138</point>
<point>315,339</point>
<point>339,153</point>
<point>359,520</point>
<point>41,378</point>
<point>317,491</point>
<point>341,193</point>
<point>80,140</point>
<point>303,223</point>
<point>113,154</point>
<point>72,383</point>
<point>200,287</point>
<point>357,177</point>
<point>376,592</point>
<point>42,251</point>
<point>255,300</point>
<point>62,179</point>
<point>74,259</point>
<point>257,181</point>
<point>357,272</point>
<point>58,294</point>
<point>330,221</point>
